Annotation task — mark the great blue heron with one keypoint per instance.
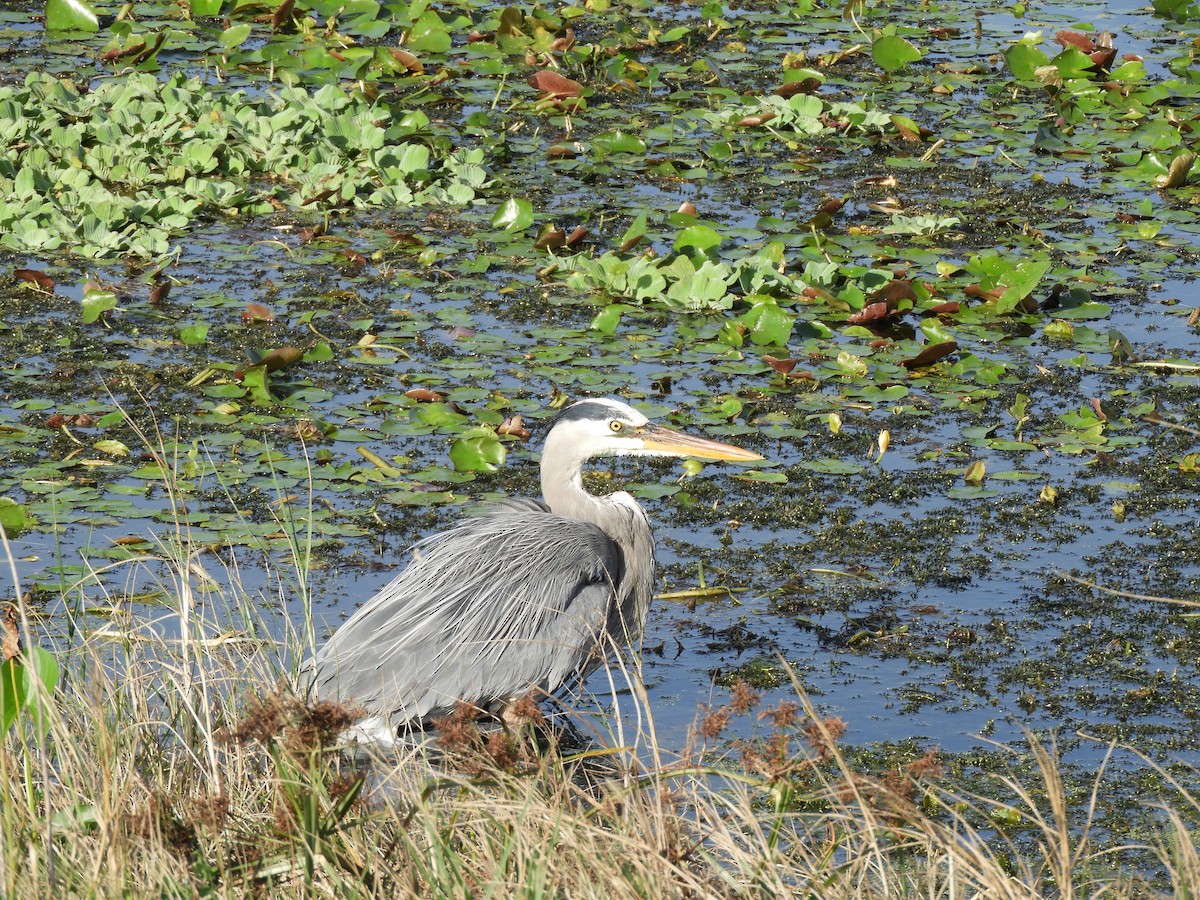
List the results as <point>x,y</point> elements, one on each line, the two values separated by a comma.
<point>523,595</point>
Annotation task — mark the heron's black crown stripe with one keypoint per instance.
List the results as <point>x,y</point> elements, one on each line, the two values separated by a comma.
<point>594,409</point>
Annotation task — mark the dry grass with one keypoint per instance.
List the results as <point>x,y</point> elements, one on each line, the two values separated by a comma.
<point>184,766</point>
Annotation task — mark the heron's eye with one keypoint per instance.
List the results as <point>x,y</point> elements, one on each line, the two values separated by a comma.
<point>617,427</point>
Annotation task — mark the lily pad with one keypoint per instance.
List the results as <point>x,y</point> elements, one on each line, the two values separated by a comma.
<point>71,15</point>
<point>892,53</point>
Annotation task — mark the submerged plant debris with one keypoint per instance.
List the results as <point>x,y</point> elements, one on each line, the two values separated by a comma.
<point>936,262</point>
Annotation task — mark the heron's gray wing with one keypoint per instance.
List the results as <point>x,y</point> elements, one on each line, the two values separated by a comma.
<point>512,599</point>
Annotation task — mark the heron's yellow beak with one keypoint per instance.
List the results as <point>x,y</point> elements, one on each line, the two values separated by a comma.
<point>679,443</point>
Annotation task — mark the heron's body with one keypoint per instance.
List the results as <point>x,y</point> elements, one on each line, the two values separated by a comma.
<point>524,595</point>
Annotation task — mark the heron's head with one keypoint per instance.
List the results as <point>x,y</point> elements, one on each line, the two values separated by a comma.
<point>603,427</point>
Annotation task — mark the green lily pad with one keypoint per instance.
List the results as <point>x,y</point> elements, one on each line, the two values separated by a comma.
<point>96,303</point>
<point>1023,59</point>
<point>834,466</point>
<point>13,519</point>
<point>478,450</point>
<point>429,34</point>
<point>892,53</point>
<point>1082,312</point>
<point>762,477</point>
<point>514,214</point>
<point>112,448</point>
<point>71,15</point>
<point>194,335</point>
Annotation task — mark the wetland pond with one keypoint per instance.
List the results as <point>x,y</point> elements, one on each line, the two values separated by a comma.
<point>936,262</point>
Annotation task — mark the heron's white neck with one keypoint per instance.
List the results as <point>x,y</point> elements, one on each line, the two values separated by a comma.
<point>562,487</point>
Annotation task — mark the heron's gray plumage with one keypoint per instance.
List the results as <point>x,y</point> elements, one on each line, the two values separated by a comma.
<point>523,595</point>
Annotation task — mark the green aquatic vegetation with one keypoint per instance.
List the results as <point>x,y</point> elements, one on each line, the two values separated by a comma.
<point>73,15</point>
<point>919,226</point>
<point>680,283</point>
<point>129,165</point>
<point>13,519</point>
<point>1177,10</point>
<point>892,53</point>
<point>805,116</point>
<point>477,450</point>
<point>1121,113</point>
